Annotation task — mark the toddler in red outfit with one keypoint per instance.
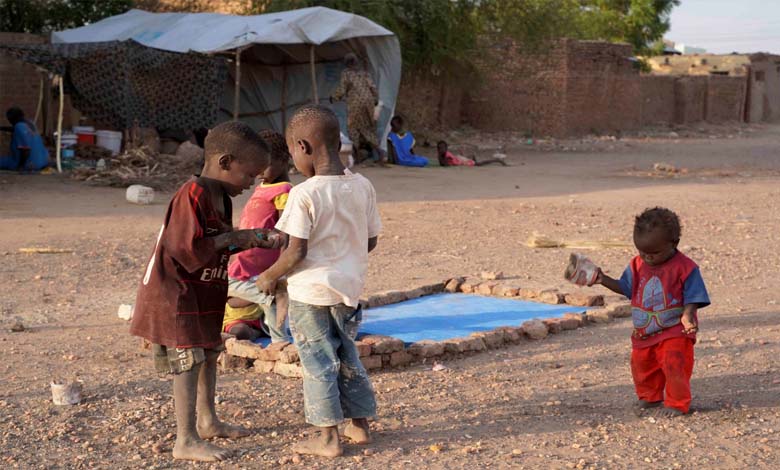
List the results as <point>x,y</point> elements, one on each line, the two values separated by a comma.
<point>666,290</point>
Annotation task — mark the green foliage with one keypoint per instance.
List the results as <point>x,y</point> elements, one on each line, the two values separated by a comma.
<point>41,16</point>
<point>431,32</point>
<point>446,32</point>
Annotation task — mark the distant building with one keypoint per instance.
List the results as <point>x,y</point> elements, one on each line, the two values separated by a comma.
<point>761,70</point>
<point>685,49</point>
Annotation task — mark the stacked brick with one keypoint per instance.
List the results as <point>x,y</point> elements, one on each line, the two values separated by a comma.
<point>377,352</point>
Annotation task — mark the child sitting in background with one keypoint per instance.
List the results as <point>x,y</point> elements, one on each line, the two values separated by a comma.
<point>333,223</point>
<point>401,145</point>
<point>666,290</point>
<point>446,158</point>
<point>249,313</point>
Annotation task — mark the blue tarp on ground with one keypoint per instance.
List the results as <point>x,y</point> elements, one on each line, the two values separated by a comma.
<point>444,316</point>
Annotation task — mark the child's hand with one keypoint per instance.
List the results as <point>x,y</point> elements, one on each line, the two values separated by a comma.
<point>270,239</point>
<point>599,277</point>
<point>689,322</point>
<point>266,285</point>
<point>244,239</point>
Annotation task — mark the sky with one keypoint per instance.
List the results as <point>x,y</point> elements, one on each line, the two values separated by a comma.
<point>725,26</point>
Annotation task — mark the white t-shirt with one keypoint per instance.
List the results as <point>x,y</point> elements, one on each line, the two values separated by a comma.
<point>337,215</point>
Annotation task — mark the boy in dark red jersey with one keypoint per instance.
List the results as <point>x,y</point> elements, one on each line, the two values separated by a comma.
<point>666,290</point>
<point>181,299</point>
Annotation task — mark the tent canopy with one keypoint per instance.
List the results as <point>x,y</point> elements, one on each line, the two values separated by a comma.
<point>214,32</point>
<point>277,53</point>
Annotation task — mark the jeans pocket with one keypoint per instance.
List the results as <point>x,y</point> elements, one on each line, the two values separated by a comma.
<point>352,323</point>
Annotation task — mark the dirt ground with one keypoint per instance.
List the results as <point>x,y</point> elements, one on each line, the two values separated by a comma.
<point>558,403</point>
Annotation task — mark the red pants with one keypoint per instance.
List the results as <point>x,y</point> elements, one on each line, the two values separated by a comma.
<point>667,366</point>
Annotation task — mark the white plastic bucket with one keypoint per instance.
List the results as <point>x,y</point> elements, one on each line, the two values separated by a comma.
<point>110,140</point>
<point>138,194</point>
<point>66,394</point>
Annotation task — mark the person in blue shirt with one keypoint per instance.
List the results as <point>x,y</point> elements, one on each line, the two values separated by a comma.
<point>27,149</point>
<point>402,145</point>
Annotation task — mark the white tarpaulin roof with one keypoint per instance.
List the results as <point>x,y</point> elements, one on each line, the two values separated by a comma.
<point>276,54</point>
<point>214,32</point>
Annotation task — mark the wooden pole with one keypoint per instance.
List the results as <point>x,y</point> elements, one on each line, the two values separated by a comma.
<point>59,124</point>
<point>315,94</point>
<point>237,85</point>
<point>284,98</point>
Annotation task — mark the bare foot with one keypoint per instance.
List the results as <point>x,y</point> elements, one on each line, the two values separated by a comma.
<point>666,412</point>
<point>357,431</point>
<point>200,451</point>
<point>642,405</point>
<point>220,429</point>
<point>325,445</point>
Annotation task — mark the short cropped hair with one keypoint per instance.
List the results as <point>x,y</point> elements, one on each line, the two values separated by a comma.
<point>14,115</point>
<point>232,138</point>
<point>317,124</point>
<point>277,144</point>
<point>659,218</point>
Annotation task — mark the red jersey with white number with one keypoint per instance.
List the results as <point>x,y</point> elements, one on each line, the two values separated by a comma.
<point>181,299</point>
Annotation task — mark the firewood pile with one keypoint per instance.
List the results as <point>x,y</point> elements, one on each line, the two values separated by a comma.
<point>143,166</point>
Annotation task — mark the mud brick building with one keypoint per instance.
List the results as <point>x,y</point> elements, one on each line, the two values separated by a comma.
<point>580,87</point>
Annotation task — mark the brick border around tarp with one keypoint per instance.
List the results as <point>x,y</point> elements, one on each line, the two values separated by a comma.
<point>378,352</point>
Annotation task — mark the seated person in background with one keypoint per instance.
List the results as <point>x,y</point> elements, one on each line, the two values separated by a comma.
<point>446,158</point>
<point>249,313</point>
<point>401,146</point>
<point>27,149</point>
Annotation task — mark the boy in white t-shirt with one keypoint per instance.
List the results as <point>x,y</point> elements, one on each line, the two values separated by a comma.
<point>332,223</point>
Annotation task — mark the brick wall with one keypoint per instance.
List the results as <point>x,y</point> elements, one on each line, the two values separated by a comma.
<point>725,98</point>
<point>690,98</point>
<point>19,82</point>
<point>430,102</point>
<point>519,90</point>
<point>656,100</point>
<point>602,88</point>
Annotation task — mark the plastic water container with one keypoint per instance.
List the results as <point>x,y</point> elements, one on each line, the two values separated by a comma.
<point>139,194</point>
<point>69,139</point>
<point>110,140</point>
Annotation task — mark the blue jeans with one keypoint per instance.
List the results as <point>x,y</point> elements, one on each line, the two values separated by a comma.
<point>248,291</point>
<point>335,383</point>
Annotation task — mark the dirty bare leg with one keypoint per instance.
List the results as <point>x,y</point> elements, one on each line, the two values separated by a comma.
<point>209,426</point>
<point>357,431</point>
<point>326,444</point>
<point>189,446</point>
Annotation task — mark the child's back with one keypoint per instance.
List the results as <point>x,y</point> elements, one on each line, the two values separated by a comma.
<point>332,222</point>
<point>337,215</point>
